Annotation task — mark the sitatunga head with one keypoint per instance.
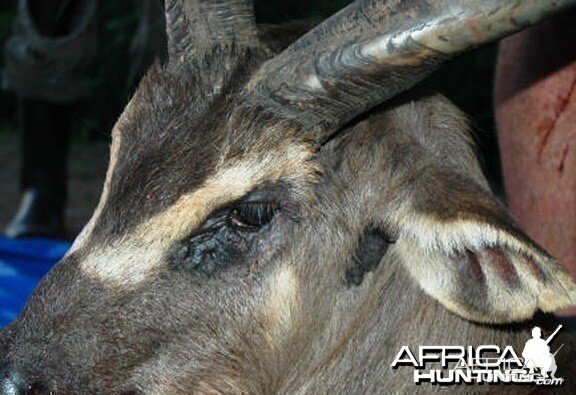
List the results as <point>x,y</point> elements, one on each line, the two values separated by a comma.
<point>274,223</point>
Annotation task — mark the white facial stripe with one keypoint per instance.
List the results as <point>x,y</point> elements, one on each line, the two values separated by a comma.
<point>126,264</point>
<point>281,304</point>
<point>228,184</point>
<point>134,257</point>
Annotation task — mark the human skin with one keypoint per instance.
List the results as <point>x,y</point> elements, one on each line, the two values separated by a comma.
<point>535,106</point>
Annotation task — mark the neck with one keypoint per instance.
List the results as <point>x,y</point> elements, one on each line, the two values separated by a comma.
<point>395,313</point>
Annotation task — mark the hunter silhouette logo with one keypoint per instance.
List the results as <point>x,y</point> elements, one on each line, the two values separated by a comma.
<point>537,354</point>
<point>490,364</point>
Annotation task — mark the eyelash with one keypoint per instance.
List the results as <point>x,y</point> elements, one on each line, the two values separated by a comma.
<point>251,216</point>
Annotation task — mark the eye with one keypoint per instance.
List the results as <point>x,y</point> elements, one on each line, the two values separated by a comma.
<point>251,216</point>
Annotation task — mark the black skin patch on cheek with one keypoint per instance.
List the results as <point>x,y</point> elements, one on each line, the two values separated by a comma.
<point>371,248</point>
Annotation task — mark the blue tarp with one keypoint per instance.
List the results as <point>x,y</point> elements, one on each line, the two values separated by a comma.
<point>23,262</point>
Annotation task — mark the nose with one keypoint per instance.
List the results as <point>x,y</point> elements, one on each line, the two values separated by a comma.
<point>11,383</point>
<point>14,383</point>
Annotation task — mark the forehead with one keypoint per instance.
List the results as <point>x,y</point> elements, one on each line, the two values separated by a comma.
<point>177,146</point>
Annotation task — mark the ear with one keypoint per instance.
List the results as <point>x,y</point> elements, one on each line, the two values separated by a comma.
<point>458,242</point>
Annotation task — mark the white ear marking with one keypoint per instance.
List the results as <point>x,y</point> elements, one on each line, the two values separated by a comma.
<point>515,280</point>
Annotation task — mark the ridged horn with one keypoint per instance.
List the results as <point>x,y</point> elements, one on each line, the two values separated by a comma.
<point>372,50</point>
<point>196,25</point>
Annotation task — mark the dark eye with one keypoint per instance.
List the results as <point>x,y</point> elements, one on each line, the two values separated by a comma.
<point>251,216</point>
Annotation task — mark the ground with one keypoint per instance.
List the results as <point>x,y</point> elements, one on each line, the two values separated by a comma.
<point>87,168</point>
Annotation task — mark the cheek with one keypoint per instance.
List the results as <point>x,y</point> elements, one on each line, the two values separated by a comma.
<point>281,308</point>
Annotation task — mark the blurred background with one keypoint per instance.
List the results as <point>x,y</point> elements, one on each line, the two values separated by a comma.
<point>111,79</point>
<point>52,145</point>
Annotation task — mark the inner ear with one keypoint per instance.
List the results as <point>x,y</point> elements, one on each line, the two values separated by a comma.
<point>463,249</point>
<point>371,248</point>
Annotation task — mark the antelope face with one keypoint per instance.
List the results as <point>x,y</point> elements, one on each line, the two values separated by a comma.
<point>195,271</point>
<point>237,236</point>
<point>180,253</point>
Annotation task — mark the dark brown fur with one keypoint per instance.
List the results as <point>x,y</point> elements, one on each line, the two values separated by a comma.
<point>116,315</point>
